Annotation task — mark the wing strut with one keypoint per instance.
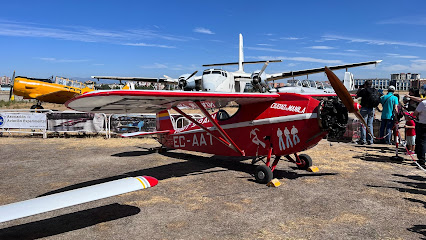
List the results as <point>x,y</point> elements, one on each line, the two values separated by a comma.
<point>228,142</point>
<point>221,131</point>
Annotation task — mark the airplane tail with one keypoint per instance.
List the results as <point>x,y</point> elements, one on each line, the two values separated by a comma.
<point>348,81</point>
<point>163,121</point>
<point>241,55</point>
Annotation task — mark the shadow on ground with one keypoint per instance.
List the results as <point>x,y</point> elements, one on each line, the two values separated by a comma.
<point>68,222</point>
<point>414,185</point>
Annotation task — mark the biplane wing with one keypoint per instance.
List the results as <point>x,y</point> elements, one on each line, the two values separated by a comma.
<point>147,101</point>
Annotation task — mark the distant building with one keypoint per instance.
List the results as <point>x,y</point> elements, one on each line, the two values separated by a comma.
<point>5,80</point>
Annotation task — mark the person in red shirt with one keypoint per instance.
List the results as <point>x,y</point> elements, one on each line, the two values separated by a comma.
<point>410,133</point>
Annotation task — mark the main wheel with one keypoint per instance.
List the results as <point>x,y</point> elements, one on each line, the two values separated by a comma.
<point>263,174</point>
<point>305,162</point>
<point>35,106</point>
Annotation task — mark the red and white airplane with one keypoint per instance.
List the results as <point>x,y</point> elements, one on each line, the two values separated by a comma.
<point>266,124</point>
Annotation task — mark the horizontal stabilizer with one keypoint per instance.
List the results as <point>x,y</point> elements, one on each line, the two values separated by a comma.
<point>236,63</point>
<point>134,134</point>
<point>77,196</point>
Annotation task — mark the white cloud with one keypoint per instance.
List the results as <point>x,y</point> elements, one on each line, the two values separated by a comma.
<point>203,30</point>
<point>419,66</point>
<point>265,49</point>
<point>374,41</point>
<point>50,59</point>
<point>154,66</point>
<point>148,45</point>
<point>408,20</point>
<point>290,38</point>
<point>321,47</point>
<point>264,44</point>
<point>83,34</point>
<point>395,55</point>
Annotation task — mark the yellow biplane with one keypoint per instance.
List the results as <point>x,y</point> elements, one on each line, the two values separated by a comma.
<point>54,90</point>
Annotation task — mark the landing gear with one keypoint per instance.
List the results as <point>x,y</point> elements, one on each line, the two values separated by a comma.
<point>36,106</point>
<point>303,161</point>
<point>263,174</point>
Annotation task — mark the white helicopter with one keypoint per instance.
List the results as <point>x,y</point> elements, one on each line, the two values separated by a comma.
<point>219,80</point>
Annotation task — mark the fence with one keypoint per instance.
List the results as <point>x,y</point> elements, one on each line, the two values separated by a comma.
<point>45,121</point>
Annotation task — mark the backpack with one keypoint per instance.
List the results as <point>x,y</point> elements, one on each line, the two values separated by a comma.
<point>373,98</point>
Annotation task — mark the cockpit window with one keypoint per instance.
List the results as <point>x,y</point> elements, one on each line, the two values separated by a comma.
<point>216,72</point>
<point>305,84</point>
<point>206,72</point>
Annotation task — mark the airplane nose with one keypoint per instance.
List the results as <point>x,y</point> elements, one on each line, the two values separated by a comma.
<point>333,117</point>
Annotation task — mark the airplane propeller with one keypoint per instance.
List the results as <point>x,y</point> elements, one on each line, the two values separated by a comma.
<point>257,78</point>
<point>345,97</point>
<point>183,82</point>
<point>11,86</point>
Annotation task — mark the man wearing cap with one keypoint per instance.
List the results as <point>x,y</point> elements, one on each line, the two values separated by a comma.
<point>389,104</point>
<point>420,114</point>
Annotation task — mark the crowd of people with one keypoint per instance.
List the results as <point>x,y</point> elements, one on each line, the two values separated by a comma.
<point>413,109</point>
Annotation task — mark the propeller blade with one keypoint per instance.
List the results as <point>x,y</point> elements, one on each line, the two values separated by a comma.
<point>345,97</point>
<point>190,76</point>
<point>341,91</point>
<point>73,197</point>
<point>11,86</point>
<point>263,68</point>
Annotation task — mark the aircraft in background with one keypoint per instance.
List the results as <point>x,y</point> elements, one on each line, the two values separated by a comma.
<point>219,80</point>
<point>265,124</point>
<point>57,91</point>
<point>185,81</point>
<point>313,88</point>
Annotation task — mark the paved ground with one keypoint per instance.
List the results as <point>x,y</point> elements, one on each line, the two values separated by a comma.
<point>358,193</point>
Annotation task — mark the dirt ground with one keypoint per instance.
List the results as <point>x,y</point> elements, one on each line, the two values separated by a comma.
<point>357,194</point>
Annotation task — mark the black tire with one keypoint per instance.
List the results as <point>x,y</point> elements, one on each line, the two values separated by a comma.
<point>263,174</point>
<point>37,107</point>
<point>306,162</point>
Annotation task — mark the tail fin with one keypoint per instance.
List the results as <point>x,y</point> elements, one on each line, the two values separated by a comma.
<point>348,81</point>
<point>241,55</point>
<point>163,121</point>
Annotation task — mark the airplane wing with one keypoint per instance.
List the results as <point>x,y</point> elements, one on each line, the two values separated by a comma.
<point>139,79</point>
<point>147,101</point>
<point>276,76</point>
<point>73,197</point>
<point>59,97</point>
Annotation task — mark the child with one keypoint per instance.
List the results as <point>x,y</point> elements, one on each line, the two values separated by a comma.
<point>410,133</point>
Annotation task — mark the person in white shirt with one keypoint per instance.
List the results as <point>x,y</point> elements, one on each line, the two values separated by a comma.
<point>420,114</point>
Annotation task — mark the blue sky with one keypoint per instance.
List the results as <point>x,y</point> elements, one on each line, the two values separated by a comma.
<point>156,38</point>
